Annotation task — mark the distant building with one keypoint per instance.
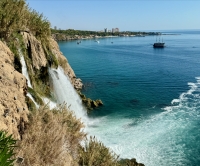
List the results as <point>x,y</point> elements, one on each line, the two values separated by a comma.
<point>115,30</point>
<point>55,27</point>
<point>105,30</point>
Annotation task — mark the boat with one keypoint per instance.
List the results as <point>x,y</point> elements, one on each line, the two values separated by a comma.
<point>159,44</point>
<point>97,41</point>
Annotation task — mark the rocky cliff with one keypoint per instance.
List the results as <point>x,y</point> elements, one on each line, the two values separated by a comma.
<point>45,58</point>
<point>65,65</point>
<point>13,87</point>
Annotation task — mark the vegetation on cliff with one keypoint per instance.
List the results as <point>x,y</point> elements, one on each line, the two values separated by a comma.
<point>48,137</point>
<point>7,145</point>
<point>15,16</point>
<point>54,137</point>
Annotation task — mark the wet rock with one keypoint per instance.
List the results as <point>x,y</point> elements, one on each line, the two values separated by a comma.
<point>89,103</point>
<point>130,162</point>
<point>94,104</point>
<point>99,102</point>
<point>78,85</point>
<point>82,96</point>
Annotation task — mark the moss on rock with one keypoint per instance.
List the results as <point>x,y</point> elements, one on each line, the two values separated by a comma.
<point>35,95</point>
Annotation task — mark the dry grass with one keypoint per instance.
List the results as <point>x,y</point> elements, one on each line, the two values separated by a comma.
<point>94,153</point>
<point>52,138</point>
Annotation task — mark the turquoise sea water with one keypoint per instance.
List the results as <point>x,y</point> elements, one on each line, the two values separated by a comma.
<point>151,96</point>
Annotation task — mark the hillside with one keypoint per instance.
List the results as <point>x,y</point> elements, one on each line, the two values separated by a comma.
<point>45,135</point>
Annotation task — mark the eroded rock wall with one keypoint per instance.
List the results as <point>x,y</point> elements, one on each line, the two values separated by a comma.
<point>13,87</point>
<point>35,50</point>
<point>65,65</point>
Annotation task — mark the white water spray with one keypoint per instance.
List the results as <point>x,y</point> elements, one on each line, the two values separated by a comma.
<point>25,73</point>
<point>50,103</point>
<point>24,68</point>
<point>161,139</point>
<point>66,93</point>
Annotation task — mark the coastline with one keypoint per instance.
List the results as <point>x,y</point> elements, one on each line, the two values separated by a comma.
<point>67,37</point>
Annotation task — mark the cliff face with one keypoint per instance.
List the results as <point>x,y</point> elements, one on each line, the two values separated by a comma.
<point>13,86</point>
<point>65,65</point>
<point>39,59</point>
<point>35,50</point>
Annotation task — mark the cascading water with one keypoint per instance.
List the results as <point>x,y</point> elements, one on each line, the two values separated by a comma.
<point>66,93</point>
<point>24,68</point>
<point>25,73</point>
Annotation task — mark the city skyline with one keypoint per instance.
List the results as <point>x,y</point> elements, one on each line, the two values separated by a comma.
<point>127,15</point>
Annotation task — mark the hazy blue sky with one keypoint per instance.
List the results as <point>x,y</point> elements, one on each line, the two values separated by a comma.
<point>124,14</point>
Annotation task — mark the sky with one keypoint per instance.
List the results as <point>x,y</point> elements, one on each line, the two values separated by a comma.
<point>127,15</point>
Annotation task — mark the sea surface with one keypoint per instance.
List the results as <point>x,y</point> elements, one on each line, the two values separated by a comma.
<point>151,96</point>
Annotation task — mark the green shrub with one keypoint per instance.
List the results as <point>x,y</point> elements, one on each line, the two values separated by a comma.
<point>7,145</point>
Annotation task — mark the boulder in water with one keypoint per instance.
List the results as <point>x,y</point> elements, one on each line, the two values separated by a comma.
<point>89,103</point>
<point>99,102</point>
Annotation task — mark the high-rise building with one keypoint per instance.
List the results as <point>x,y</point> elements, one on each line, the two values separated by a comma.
<point>105,30</point>
<point>115,30</point>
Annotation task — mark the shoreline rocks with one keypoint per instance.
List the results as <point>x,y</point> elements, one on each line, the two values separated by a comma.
<point>89,103</point>
<point>78,85</point>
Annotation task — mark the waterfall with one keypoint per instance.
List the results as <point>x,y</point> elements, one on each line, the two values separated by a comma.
<point>63,90</point>
<point>31,97</point>
<point>66,93</point>
<point>25,73</point>
<point>24,68</point>
<point>50,103</point>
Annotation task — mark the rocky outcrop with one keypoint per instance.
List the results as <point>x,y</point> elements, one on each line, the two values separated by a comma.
<point>65,65</point>
<point>89,103</point>
<point>130,162</point>
<point>13,87</point>
<point>37,55</point>
<point>35,50</point>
